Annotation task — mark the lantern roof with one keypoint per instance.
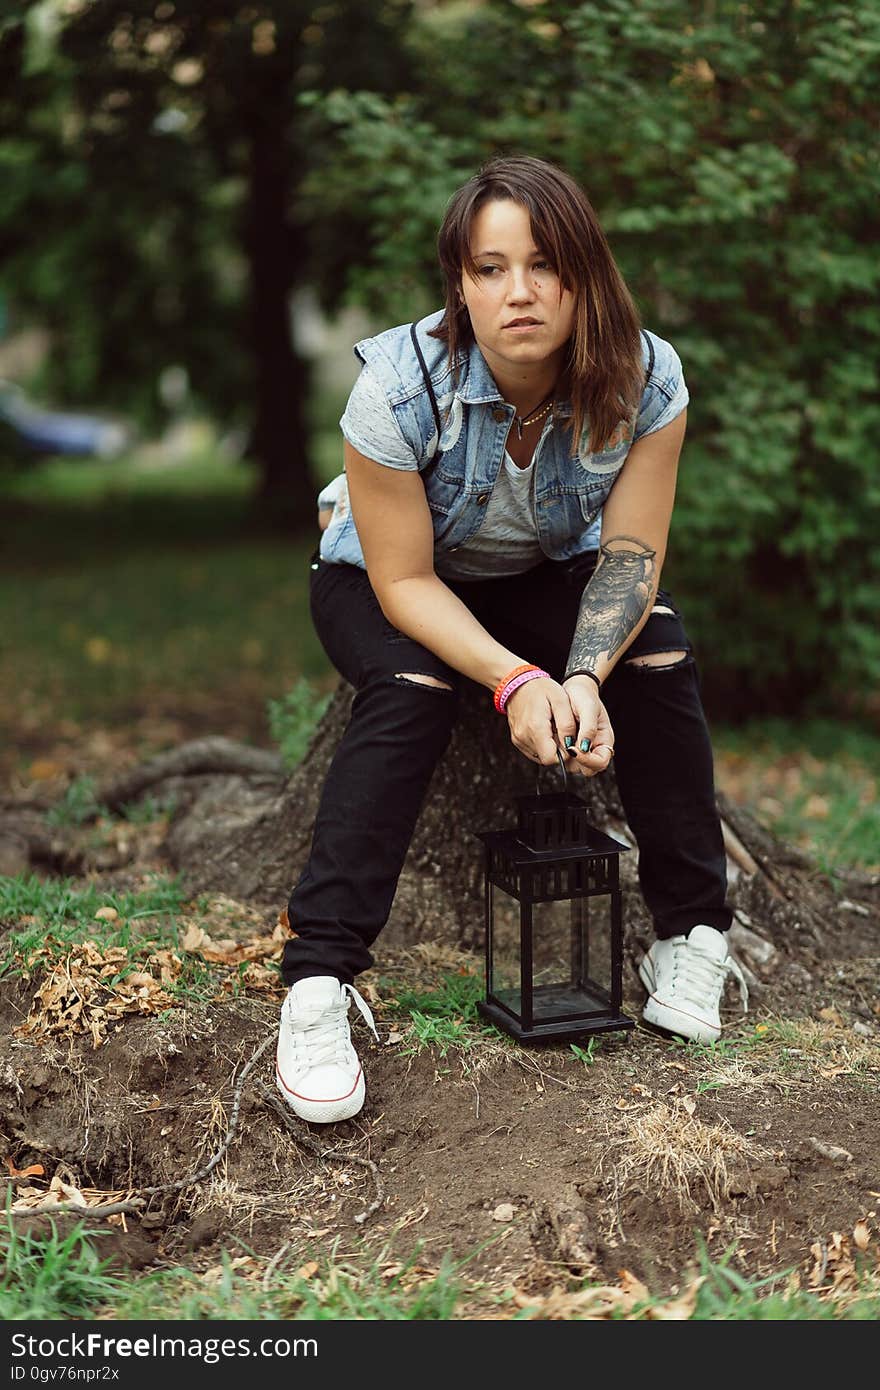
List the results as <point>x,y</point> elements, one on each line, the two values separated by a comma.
<point>595,845</point>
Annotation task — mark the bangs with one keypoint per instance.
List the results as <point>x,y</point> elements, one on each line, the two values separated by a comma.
<point>552,237</point>
<point>558,214</point>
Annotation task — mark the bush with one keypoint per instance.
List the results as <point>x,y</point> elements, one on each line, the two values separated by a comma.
<point>731,154</point>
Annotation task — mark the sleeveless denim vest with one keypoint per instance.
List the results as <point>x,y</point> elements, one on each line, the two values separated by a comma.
<point>570,486</point>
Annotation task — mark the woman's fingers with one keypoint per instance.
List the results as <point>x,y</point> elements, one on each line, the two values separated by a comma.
<point>532,713</point>
<point>594,731</point>
<point>565,723</point>
<point>583,697</point>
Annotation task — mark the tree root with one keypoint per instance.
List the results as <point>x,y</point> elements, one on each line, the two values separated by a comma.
<point>217,755</point>
<point>302,1137</point>
<point>135,1197</point>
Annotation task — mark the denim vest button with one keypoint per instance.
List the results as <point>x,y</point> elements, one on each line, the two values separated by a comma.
<point>483,499</point>
<point>499,415</point>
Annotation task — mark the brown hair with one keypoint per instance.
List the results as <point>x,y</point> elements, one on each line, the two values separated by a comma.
<point>605,373</point>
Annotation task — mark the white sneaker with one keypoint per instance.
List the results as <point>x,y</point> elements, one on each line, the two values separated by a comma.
<point>316,1068</point>
<point>684,977</point>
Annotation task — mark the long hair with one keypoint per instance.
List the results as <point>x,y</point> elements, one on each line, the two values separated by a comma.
<point>604,370</point>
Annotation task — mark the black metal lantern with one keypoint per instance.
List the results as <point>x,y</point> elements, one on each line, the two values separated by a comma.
<point>554,948</point>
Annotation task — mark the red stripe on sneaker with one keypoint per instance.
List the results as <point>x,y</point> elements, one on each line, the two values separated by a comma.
<point>316,1100</point>
<point>677,1009</point>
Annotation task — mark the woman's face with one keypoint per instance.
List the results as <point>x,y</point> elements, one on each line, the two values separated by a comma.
<point>520,314</point>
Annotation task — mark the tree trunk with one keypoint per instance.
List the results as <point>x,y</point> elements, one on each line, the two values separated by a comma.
<point>279,438</point>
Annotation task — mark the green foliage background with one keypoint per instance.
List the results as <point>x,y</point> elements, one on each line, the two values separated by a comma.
<point>731,152</point>
<point>729,147</point>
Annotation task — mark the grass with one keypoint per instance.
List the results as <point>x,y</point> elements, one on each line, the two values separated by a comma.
<point>49,1277</point>
<point>63,909</point>
<point>293,719</point>
<point>121,579</point>
<point>446,1017</point>
<point>79,805</point>
<point>814,783</point>
<point>52,1276</point>
<point>587,1054</point>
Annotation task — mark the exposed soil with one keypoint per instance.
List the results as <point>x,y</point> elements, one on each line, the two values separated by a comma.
<point>548,1168</point>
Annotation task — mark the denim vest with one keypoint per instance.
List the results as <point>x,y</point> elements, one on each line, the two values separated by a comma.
<point>570,486</point>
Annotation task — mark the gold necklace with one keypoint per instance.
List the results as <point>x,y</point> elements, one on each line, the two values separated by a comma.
<point>522,421</point>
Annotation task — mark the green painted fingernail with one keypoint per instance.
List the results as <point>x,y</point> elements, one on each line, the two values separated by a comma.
<point>585,745</point>
<point>568,740</point>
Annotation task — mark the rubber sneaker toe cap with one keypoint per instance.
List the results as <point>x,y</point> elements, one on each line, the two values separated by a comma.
<point>676,1020</point>
<point>324,1094</point>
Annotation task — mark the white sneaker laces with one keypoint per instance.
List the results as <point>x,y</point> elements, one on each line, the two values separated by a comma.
<point>324,1037</point>
<point>699,978</point>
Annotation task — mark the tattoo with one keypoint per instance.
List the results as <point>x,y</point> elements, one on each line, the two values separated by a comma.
<point>613,602</point>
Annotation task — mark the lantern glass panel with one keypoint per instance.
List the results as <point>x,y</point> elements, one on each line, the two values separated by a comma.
<point>571,957</point>
<point>505,978</point>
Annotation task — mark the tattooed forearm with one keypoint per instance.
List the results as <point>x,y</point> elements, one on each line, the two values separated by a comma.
<point>613,603</point>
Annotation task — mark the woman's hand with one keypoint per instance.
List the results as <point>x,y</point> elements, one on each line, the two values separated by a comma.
<point>593,727</point>
<point>542,714</point>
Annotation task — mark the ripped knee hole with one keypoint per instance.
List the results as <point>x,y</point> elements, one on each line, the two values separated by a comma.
<point>416,678</point>
<point>661,661</point>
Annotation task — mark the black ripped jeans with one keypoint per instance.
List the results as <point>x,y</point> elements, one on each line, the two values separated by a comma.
<point>398,731</point>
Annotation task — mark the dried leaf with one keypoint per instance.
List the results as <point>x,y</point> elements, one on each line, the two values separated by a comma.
<point>633,1287</point>
<point>194,938</point>
<point>33,1170</point>
<point>307,1271</point>
<point>678,1309</point>
<point>831,1016</point>
<point>44,769</point>
<point>862,1233</point>
<point>66,1192</point>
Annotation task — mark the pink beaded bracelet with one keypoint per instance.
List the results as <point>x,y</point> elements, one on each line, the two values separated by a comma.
<point>534,674</point>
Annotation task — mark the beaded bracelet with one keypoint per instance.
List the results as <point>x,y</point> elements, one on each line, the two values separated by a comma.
<point>517,671</point>
<point>584,672</point>
<point>535,673</point>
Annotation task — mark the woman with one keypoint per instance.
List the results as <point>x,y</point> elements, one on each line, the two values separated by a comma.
<point>510,467</point>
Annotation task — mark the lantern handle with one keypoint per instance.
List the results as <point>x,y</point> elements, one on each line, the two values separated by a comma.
<point>562,768</point>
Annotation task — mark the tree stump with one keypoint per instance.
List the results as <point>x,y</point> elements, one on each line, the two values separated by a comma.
<point>252,843</point>
<point>243,828</point>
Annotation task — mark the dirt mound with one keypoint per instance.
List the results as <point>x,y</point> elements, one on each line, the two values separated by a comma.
<point>545,1166</point>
